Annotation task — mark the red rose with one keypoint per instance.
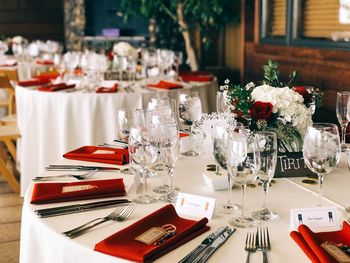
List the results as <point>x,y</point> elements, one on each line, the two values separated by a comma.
<point>261,110</point>
<point>110,55</point>
<point>303,92</point>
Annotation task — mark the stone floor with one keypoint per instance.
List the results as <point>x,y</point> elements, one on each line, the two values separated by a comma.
<point>10,223</point>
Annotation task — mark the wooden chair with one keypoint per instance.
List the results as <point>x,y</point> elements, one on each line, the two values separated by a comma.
<point>8,135</point>
<point>8,103</point>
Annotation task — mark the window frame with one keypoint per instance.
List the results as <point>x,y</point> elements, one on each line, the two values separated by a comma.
<point>292,35</point>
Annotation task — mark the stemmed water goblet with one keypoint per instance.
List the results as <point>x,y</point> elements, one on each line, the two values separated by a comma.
<point>169,151</point>
<point>190,110</point>
<point>124,123</point>
<point>142,152</point>
<point>321,151</point>
<point>220,151</point>
<point>243,164</point>
<point>343,115</point>
<point>221,104</point>
<point>267,143</point>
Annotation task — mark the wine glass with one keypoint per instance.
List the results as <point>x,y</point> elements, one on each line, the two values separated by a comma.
<point>143,155</point>
<point>243,164</point>
<point>267,142</point>
<point>220,150</point>
<point>124,123</point>
<point>321,151</point>
<point>190,110</point>
<point>169,145</point>
<point>221,103</point>
<point>343,115</point>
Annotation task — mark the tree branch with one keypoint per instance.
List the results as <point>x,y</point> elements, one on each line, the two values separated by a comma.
<point>168,11</point>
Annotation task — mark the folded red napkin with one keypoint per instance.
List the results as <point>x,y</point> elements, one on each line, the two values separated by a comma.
<point>99,155</point>
<point>56,87</point>
<point>165,85</point>
<point>123,244</point>
<point>198,76</point>
<point>61,192</point>
<point>108,90</point>
<point>33,82</point>
<point>47,75</point>
<point>310,242</point>
<point>184,134</point>
<point>44,62</point>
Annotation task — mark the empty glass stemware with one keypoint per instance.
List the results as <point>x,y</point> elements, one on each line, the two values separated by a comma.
<point>243,164</point>
<point>169,151</point>
<point>220,150</point>
<point>343,115</point>
<point>190,110</point>
<point>124,123</point>
<point>267,142</point>
<point>221,103</point>
<point>321,151</point>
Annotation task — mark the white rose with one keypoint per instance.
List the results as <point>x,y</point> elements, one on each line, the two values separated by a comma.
<point>124,49</point>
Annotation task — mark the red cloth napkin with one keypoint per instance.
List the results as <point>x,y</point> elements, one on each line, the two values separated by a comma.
<point>108,90</point>
<point>198,76</point>
<point>47,76</point>
<point>33,82</point>
<point>165,85</point>
<point>183,134</point>
<point>122,244</point>
<point>91,154</point>
<point>310,242</point>
<point>56,87</point>
<point>43,62</point>
<point>53,192</point>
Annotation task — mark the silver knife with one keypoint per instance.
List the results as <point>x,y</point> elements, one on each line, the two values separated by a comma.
<point>61,167</point>
<point>69,209</point>
<point>206,253</point>
<point>205,243</point>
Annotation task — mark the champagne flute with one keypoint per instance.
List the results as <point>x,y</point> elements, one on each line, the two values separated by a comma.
<point>243,164</point>
<point>143,154</point>
<point>221,103</point>
<point>343,115</point>
<point>267,142</point>
<point>190,110</point>
<point>220,150</point>
<point>124,123</point>
<point>169,150</point>
<point>321,151</point>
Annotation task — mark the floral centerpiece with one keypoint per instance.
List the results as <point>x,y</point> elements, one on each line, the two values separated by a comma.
<point>274,106</point>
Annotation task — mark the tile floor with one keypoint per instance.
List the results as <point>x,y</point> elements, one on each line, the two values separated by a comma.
<point>10,223</point>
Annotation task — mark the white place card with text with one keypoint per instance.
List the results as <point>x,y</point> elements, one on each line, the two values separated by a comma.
<point>195,205</point>
<point>319,219</point>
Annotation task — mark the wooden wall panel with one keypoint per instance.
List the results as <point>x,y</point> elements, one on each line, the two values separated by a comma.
<point>328,69</point>
<point>32,19</point>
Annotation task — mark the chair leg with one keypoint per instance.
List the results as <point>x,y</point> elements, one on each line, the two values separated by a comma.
<point>11,147</point>
<point>9,176</point>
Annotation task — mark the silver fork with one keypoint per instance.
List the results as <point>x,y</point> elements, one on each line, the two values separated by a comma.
<point>76,176</point>
<point>250,245</point>
<point>263,242</point>
<point>117,215</point>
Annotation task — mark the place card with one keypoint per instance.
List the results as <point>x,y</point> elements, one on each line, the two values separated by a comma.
<point>320,219</point>
<point>195,205</point>
<point>103,152</point>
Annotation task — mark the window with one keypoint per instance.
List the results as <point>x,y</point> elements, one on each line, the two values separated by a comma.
<point>321,23</point>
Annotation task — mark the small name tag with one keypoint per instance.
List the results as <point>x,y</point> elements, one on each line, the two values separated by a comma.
<point>195,205</point>
<point>103,152</point>
<point>74,188</point>
<point>320,219</point>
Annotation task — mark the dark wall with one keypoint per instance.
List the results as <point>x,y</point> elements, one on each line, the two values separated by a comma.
<point>32,19</point>
<point>102,14</point>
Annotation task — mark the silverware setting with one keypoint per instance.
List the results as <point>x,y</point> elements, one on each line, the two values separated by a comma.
<point>208,246</point>
<point>263,242</point>
<point>117,145</point>
<point>69,167</point>
<point>118,215</point>
<point>250,245</point>
<point>83,176</point>
<point>77,208</point>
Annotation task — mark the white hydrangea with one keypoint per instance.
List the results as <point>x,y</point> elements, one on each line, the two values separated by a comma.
<point>124,49</point>
<point>288,103</point>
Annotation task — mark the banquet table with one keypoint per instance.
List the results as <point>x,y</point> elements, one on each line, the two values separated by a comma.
<point>52,123</point>
<point>42,241</point>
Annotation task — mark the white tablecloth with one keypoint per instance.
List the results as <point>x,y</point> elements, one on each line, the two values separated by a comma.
<point>51,123</point>
<point>41,240</point>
